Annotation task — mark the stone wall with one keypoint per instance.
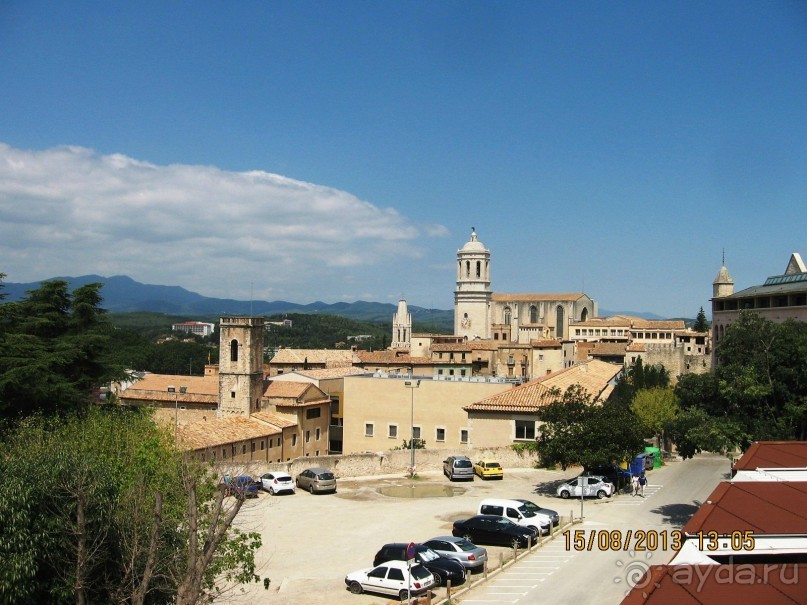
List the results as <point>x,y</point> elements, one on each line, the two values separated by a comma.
<point>392,462</point>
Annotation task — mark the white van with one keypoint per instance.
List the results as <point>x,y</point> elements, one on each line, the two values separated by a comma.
<point>517,512</point>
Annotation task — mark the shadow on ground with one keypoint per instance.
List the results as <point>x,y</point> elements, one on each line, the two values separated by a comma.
<point>677,514</point>
<point>549,488</point>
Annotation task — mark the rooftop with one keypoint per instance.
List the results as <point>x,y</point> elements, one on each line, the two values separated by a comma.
<point>772,454</point>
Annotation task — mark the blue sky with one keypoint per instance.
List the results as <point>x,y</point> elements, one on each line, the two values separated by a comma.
<point>339,151</point>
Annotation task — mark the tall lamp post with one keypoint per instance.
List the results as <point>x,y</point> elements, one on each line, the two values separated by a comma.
<point>412,385</point>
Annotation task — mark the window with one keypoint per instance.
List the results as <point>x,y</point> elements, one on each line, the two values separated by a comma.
<point>368,429</point>
<point>294,439</point>
<point>263,444</point>
<point>312,413</point>
<point>440,434</point>
<point>233,350</point>
<point>393,431</point>
<point>307,436</point>
<point>395,574</point>
<point>244,448</point>
<point>525,429</point>
<point>232,394</point>
<point>252,446</point>
<point>317,434</point>
<point>533,314</point>
<point>416,432</point>
<point>463,435</point>
<point>507,315</point>
<point>223,452</point>
<point>559,321</point>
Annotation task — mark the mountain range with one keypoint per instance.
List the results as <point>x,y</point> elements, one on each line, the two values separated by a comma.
<point>122,294</point>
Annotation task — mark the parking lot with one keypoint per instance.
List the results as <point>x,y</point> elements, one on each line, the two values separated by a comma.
<point>310,542</point>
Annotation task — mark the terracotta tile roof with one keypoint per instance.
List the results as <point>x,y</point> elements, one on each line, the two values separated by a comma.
<point>154,387</point>
<point>273,419</point>
<point>765,508</point>
<point>746,584</point>
<point>535,297</point>
<point>325,373</point>
<point>332,358</point>
<point>773,454</point>
<point>546,344</point>
<point>484,345</point>
<point>221,431</point>
<point>294,393</point>
<point>611,349</point>
<point>389,357</point>
<point>593,375</point>
<point>459,346</point>
<point>599,322</point>
<point>636,347</point>
<point>527,398</point>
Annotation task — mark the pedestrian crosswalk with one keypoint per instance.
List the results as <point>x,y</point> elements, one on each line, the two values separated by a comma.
<point>630,500</point>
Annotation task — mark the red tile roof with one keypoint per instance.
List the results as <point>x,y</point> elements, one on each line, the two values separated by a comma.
<point>743,584</point>
<point>762,507</point>
<point>773,454</point>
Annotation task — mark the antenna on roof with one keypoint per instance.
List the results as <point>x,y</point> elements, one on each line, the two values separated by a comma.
<point>250,299</point>
<point>724,257</point>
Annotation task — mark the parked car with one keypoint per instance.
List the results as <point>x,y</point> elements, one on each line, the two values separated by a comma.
<point>242,486</point>
<point>317,480</point>
<point>620,477</point>
<point>589,486</point>
<point>532,506</point>
<point>458,467</point>
<point>442,568</point>
<point>490,529</point>
<point>488,469</point>
<point>393,578</point>
<point>516,512</point>
<point>277,482</point>
<point>468,554</point>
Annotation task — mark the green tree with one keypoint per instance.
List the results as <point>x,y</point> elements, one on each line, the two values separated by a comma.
<point>53,350</point>
<point>101,508</point>
<point>636,377</point>
<point>694,431</point>
<point>655,408</point>
<point>701,325</point>
<point>577,430</point>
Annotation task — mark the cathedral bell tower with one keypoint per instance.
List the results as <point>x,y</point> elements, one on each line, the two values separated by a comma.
<point>472,296</point>
<point>240,365</point>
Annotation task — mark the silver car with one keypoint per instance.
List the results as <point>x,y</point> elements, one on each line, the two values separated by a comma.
<point>317,480</point>
<point>471,556</point>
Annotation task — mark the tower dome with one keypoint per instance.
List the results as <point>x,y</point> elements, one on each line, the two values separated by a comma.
<point>723,285</point>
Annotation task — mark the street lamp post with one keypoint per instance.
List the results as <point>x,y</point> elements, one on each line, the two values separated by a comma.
<point>412,385</point>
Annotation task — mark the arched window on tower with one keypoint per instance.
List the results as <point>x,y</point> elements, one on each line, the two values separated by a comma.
<point>233,350</point>
<point>533,314</point>
<point>468,269</point>
<point>508,316</point>
<point>478,269</point>
<point>559,322</point>
<point>584,314</point>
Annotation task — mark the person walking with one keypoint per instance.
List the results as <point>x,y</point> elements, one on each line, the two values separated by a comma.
<point>642,483</point>
<point>634,485</point>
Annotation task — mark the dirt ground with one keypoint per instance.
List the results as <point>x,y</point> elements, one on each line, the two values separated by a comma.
<point>310,542</point>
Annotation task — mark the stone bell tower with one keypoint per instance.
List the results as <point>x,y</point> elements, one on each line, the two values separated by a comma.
<point>472,296</point>
<point>240,365</point>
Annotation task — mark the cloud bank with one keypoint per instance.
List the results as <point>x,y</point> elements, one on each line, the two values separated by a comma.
<point>72,211</point>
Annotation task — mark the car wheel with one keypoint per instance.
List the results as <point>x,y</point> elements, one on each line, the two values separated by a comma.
<point>403,595</point>
<point>438,579</point>
<point>467,537</point>
<point>515,543</point>
<point>565,494</point>
<point>601,494</point>
<point>297,482</point>
<point>271,491</point>
<point>355,588</point>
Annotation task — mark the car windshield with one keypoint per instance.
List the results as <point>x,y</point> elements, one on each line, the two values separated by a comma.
<point>526,511</point>
<point>419,572</point>
<point>325,476</point>
<point>465,545</point>
<point>463,464</point>
<point>427,554</point>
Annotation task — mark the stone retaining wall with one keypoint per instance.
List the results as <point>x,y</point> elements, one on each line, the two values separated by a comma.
<point>392,462</point>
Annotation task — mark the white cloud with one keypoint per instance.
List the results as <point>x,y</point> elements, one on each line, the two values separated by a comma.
<point>72,211</point>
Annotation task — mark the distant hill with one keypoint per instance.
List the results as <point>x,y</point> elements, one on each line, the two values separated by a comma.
<point>122,294</point>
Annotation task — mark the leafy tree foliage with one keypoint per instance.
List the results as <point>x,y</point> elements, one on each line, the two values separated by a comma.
<point>637,377</point>
<point>701,325</point>
<point>655,408</point>
<point>576,430</point>
<point>102,509</point>
<point>53,348</point>
<point>757,392</point>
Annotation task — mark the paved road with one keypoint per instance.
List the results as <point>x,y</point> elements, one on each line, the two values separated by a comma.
<point>558,573</point>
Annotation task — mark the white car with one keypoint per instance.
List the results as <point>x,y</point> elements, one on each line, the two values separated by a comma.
<point>391,578</point>
<point>276,482</point>
<point>592,486</point>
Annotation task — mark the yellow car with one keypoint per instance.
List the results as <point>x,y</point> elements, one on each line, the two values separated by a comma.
<point>489,469</point>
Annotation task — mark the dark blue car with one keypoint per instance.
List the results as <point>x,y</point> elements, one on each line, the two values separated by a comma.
<point>242,486</point>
